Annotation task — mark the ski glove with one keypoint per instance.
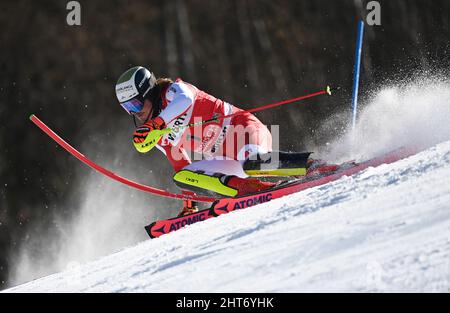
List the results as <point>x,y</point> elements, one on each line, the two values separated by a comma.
<point>142,131</point>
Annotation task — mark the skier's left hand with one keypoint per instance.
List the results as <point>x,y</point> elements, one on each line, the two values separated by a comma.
<point>142,131</point>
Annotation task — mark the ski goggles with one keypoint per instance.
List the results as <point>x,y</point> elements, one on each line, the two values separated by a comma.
<point>133,106</point>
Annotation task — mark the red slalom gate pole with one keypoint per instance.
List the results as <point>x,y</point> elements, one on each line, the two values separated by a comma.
<point>110,174</point>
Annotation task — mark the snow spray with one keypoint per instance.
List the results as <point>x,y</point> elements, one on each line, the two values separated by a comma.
<point>402,113</point>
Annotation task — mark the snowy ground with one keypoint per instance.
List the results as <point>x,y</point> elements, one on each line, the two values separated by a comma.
<point>385,229</point>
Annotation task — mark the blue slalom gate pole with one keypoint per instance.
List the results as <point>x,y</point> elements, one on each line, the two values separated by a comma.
<point>356,71</point>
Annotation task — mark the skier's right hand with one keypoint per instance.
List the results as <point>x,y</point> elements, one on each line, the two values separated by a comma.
<point>142,131</point>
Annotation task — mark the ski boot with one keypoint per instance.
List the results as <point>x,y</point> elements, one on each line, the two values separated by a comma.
<point>219,185</point>
<point>289,164</point>
<point>277,163</point>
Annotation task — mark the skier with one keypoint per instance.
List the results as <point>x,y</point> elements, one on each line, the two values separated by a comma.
<point>214,157</point>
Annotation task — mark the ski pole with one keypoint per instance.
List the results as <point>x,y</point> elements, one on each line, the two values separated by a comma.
<point>264,107</point>
<point>155,135</point>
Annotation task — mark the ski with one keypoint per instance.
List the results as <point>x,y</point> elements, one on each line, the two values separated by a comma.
<point>227,205</point>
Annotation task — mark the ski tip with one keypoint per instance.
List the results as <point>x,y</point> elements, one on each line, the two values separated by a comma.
<point>31,117</point>
<point>148,229</point>
<point>329,90</point>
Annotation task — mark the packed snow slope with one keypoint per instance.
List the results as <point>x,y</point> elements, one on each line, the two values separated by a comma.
<point>384,229</point>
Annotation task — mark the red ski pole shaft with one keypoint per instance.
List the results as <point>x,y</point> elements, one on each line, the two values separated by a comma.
<point>265,107</point>
<point>272,105</point>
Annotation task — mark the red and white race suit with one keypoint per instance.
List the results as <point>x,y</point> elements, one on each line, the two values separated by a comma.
<point>219,146</point>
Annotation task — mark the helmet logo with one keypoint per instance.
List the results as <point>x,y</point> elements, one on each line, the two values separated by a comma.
<point>126,91</point>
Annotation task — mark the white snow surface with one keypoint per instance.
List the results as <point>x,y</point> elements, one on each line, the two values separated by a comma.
<point>386,229</point>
